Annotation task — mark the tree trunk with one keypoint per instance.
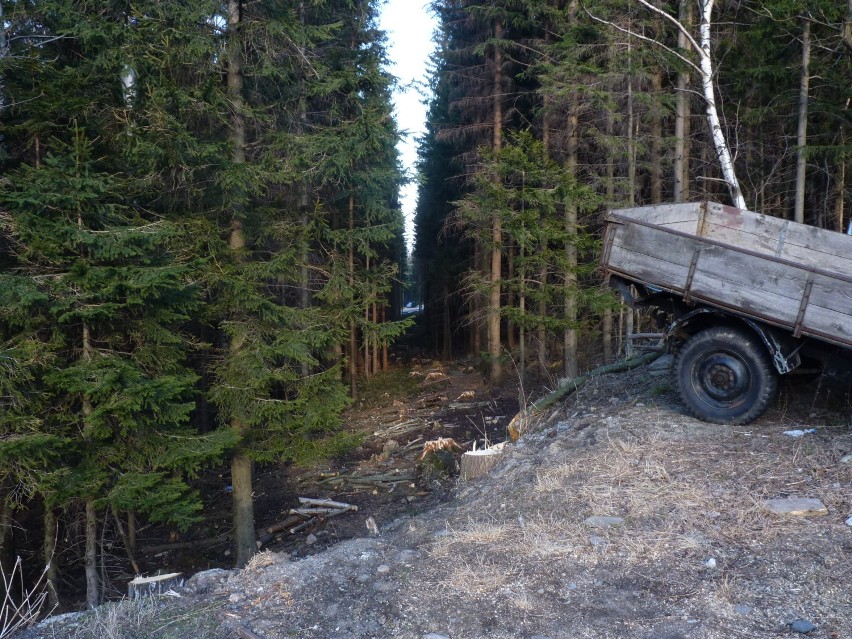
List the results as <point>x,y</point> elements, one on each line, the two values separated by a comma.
<point>475,304</point>
<point>802,134</point>
<point>353,331</point>
<point>607,319</point>
<point>126,541</point>
<point>304,201</point>
<point>7,546</point>
<point>723,152</point>
<point>840,198</point>
<point>241,465</point>
<point>376,364</point>
<point>93,585</point>
<point>846,30</point>
<point>494,342</point>
<point>656,141</point>
<point>131,530</point>
<point>446,342</point>
<point>631,136</point>
<point>511,342</point>
<point>569,335</point>
<point>522,307</point>
<point>541,329</point>
<point>682,112</point>
<point>385,353</point>
<point>51,536</point>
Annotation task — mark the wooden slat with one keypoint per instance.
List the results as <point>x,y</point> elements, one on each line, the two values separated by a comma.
<point>753,272</point>
<point>813,246</point>
<point>829,323</point>
<point>654,242</point>
<point>818,259</point>
<point>832,293</point>
<point>648,269</point>
<point>760,303</point>
<point>666,214</point>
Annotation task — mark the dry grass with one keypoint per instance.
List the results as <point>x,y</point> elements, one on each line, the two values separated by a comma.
<point>480,575</point>
<point>146,618</point>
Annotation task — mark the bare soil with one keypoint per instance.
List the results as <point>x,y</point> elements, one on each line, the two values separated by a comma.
<point>690,550</point>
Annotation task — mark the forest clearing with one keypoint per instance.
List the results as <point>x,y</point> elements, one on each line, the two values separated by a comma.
<point>617,515</point>
<point>203,343</point>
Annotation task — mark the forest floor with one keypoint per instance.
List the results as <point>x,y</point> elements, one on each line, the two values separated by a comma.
<point>615,516</point>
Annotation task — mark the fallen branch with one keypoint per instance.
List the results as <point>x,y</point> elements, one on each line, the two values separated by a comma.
<point>186,545</point>
<point>326,503</point>
<point>245,633</point>
<point>520,422</point>
<point>284,524</point>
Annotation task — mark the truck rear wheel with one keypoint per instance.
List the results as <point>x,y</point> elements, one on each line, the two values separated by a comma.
<point>725,376</point>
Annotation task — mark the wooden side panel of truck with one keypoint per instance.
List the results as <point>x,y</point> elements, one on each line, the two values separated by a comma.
<point>785,274</point>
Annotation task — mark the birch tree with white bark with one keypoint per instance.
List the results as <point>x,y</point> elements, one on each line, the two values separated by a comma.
<point>703,47</point>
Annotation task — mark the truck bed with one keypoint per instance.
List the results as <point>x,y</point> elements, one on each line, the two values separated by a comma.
<point>786,274</point>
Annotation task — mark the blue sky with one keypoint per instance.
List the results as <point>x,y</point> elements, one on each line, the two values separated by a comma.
<point>409,27</point>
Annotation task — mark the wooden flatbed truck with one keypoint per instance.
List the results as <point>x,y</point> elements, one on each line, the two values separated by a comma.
<point>742,298</point>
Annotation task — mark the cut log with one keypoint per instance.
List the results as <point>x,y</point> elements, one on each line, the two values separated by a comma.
<point>476,463</point>
<point>156,585</point>
<point>327,503</point>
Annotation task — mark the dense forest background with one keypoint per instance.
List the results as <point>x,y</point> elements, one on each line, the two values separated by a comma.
<point>200,250</point>
<point>545,113</point>
<point>201,242</point>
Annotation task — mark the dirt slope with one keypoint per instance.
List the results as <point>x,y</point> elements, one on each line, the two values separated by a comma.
<point>617,516</point>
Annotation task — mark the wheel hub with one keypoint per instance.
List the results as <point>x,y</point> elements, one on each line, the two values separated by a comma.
<point>723,377</point>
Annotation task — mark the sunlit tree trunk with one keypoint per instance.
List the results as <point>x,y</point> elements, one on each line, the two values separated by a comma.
<point>353,330</point>
<point>802,133</point>
<point>846,34</point>
<point>682,112</point>
<point>704,47</point>
<point>241,463</point>
<point>569,335</point>
<point>51,535</point>
<point>656,142</point>
<point>494,342</point>
<point>90,556</point>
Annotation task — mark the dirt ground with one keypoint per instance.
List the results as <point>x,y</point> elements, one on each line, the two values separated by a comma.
<point>615,516</point>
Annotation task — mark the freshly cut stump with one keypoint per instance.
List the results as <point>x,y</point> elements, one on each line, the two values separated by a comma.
<point>476,463</point>
<point>156,585</point>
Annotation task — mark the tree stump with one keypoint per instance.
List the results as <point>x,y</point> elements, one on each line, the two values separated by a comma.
<point>156,585</point>
<point>476,463</point>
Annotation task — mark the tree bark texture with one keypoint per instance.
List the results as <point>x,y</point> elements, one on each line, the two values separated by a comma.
<point>723,151</point>
<point>51,535</point>
<point>682,112</point>
<point>656,142</point>
<point>241,466</point>
<point>569,335</point>
<point>840,197</point>
<point>90,558</point>
<point>802,131</point>
<point>353,331</point>
<point>494,342</point>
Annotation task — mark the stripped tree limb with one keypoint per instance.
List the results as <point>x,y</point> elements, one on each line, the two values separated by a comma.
<point>521,421</point>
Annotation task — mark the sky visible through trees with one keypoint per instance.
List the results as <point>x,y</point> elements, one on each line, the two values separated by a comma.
<point>410,27</point>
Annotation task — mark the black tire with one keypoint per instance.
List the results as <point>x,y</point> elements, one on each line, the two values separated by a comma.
<point>724,376</point>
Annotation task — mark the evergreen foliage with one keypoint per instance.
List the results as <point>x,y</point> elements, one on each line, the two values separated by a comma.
<point>597,87</point>
<point>134,332</point>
